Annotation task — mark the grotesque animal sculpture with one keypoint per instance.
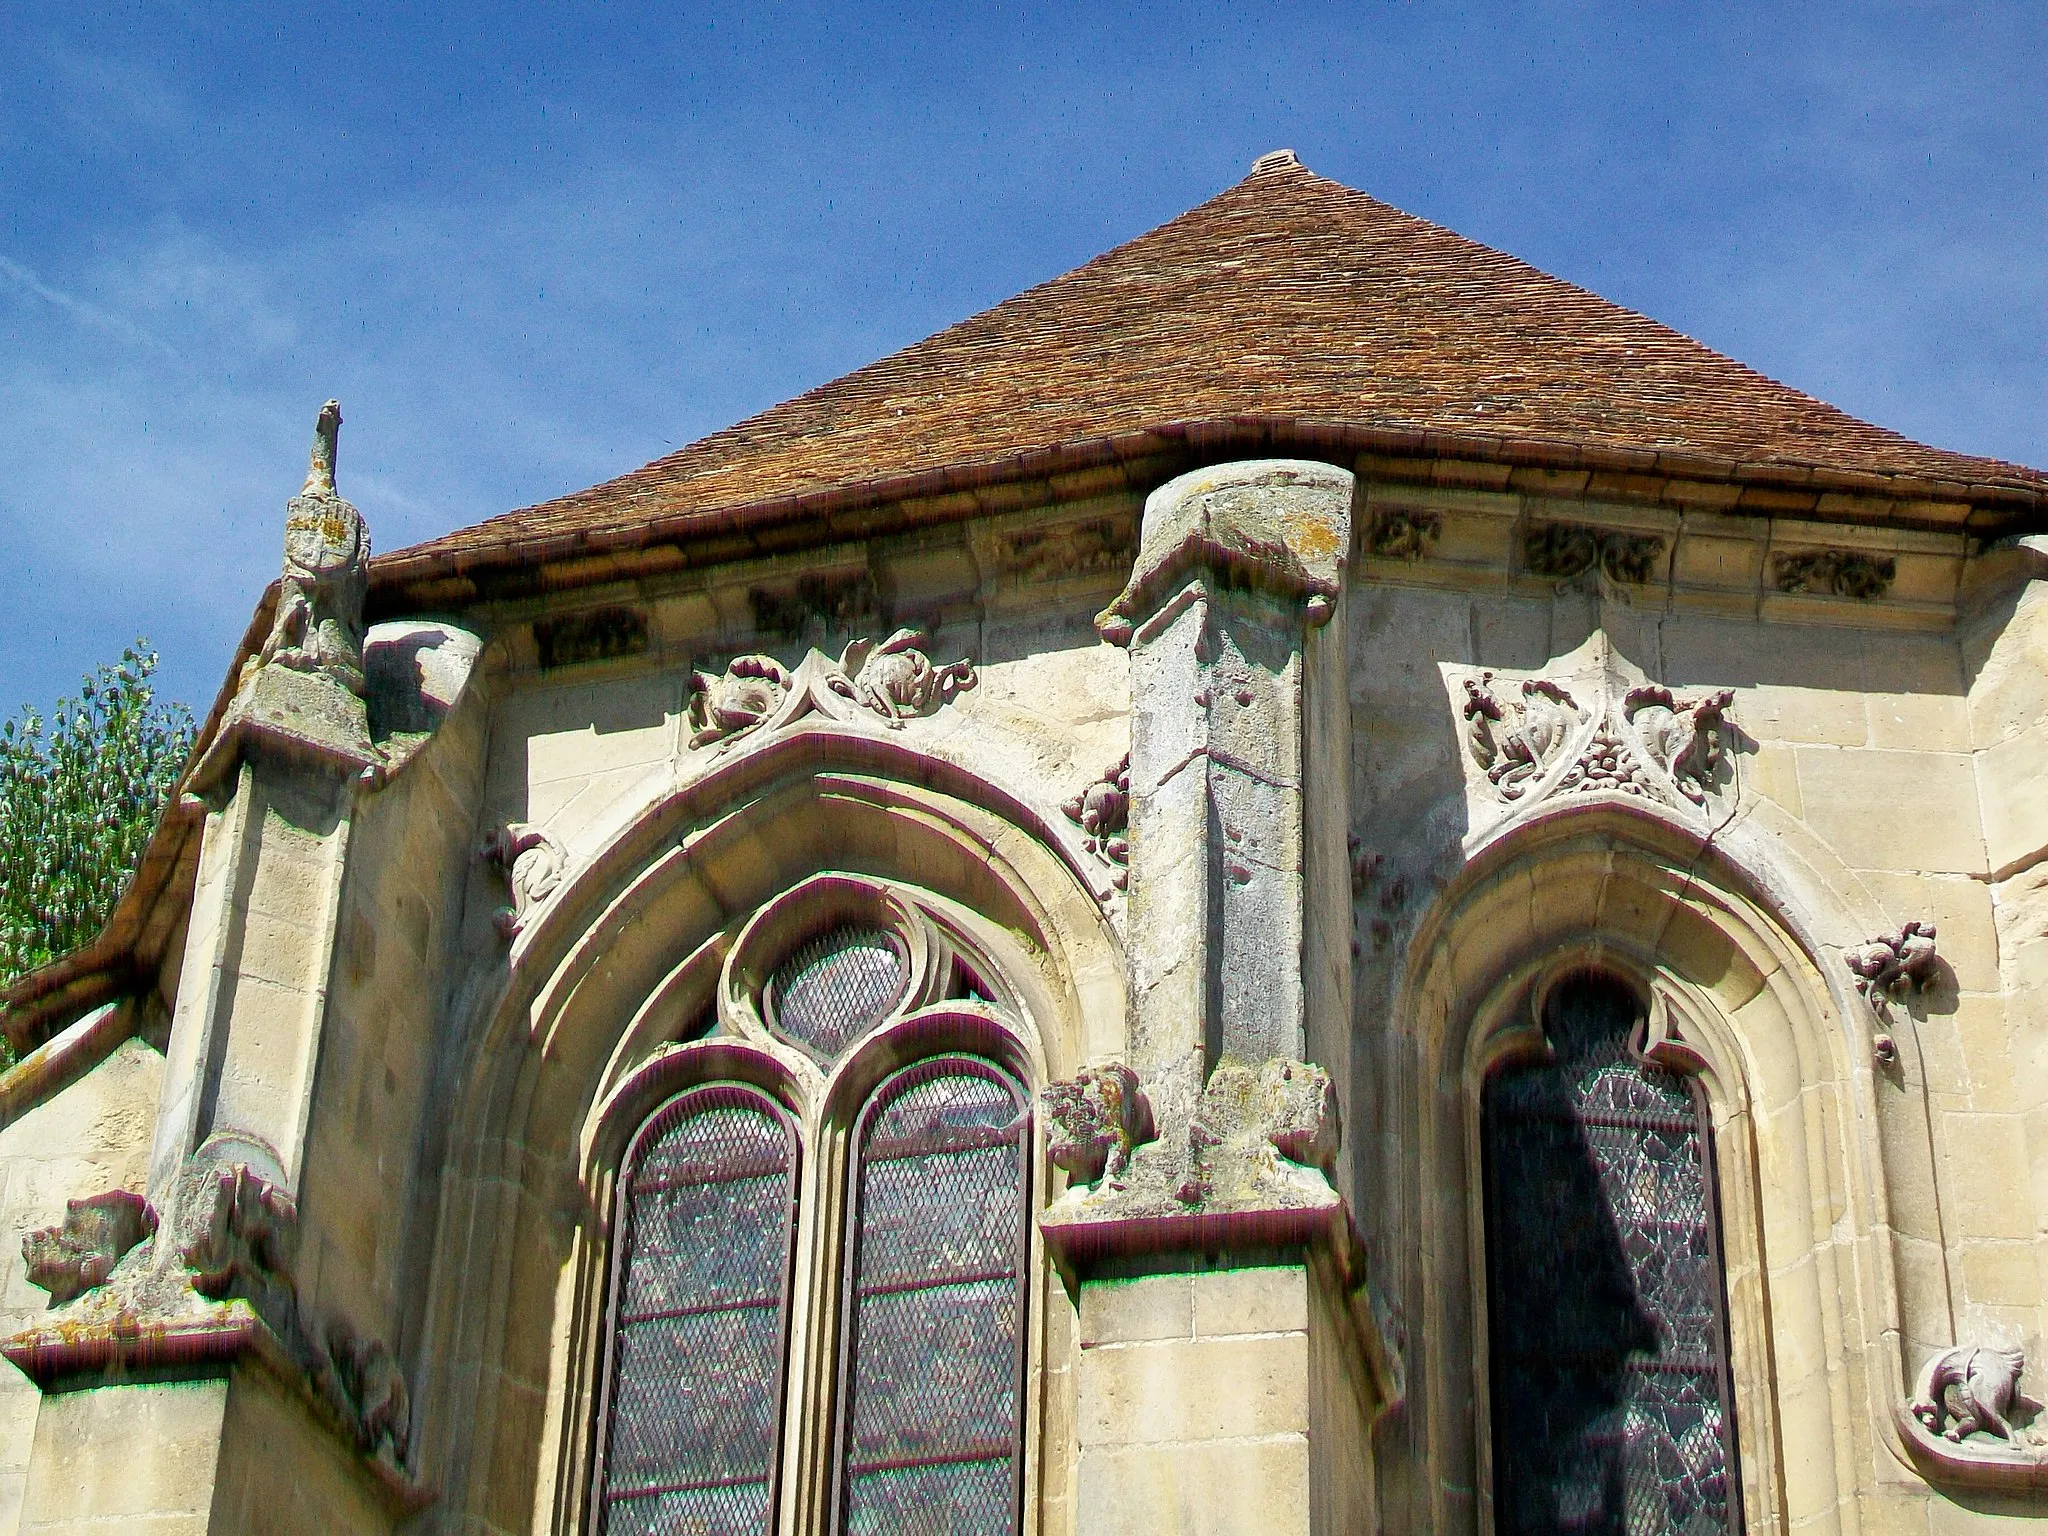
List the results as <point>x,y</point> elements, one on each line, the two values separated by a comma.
<point>319,621</point>
<point>1972,1387</point>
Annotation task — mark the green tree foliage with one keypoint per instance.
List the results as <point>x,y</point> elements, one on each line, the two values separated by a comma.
<point>80,794</point>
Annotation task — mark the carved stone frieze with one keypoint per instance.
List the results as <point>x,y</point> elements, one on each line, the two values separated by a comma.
<point>596,634</point>
<point>96,1235</point>
<point>533,862</point>
<point>1835,573</point>
<point>1097,1119</point>
<point>1589,721</point>
<point>1403,533</point>
<point>892,681</point>
<point>1892,968</point>
<point>1968,1390</point>
<point>1564,552</point>
<point>1103,813</point>
<point>818,605</point>
<point>1086,548</point>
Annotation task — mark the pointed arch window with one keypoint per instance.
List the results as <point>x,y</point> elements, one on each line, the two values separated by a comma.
<point>1611,1402</point>
<point>862,1371</point>
<point>700,1309</point>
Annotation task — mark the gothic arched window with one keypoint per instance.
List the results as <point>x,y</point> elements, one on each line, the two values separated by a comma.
<point>1611,1402</point>
<point>873,1354</point>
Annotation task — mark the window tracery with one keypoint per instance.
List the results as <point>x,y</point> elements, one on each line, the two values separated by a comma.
<point>875,1360</point>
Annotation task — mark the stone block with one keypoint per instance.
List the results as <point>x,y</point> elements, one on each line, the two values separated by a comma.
<point>124,1454</point>
<point>1273,1299</point>
<point>1195,1389</point>
<point>1894,810</point>
<point>1131,1311</point>
<point>2009,777</point>
<point>1982,1156</point>
<point>1254,1487</point>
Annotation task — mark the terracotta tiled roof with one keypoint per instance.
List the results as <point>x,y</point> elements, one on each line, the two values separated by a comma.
<point>1286,298</point>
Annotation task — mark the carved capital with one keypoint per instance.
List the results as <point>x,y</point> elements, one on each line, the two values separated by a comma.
<point>97,1233</point>
<point>1280,525</point>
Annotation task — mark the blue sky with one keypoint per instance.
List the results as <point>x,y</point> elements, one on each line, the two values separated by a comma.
<point>531,247</point>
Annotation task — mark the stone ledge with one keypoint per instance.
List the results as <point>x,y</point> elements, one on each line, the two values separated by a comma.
<point>128,1344</point>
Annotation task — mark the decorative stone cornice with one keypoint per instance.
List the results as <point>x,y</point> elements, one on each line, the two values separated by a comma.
<point>888,682</point>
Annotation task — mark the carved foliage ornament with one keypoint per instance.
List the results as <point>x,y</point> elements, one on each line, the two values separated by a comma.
<point>97,1234</point>
<point>1897,966</point>
<point>1403,533</point>
<point>1835,573</point>
<point>1590,721</point>
<point>891,681</point>
<point>1565,551</point>
<point>1103,813</point>
<point>1097,1119</point>
<point>533,862</point>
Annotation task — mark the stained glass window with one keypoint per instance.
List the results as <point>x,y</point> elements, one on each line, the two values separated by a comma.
<point>835,987</point>
<point>1612,1413</point>
<point>699,1318</point>
<point>930,1415</point>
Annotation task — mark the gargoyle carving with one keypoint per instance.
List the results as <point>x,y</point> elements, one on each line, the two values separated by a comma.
<point>240,1232</point>
<point>1895,968</point>
<point>97,1234</point>
<point>1971,1388</point>
<point>534,862</point>
<point>319,621</point>
<point>1515,740</point>
<point>893,680</point>
<point>1097,1117</point>
<point>1103,813</point>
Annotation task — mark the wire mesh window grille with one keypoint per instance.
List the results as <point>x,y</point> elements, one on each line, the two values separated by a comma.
<point>835,987</point>
<point>1612,1410</point>
<point>693,1382</point>
<point>930,1418</point>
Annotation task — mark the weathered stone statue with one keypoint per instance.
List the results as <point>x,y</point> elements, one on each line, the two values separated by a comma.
<point>319,623</point>
<point>302,694</point>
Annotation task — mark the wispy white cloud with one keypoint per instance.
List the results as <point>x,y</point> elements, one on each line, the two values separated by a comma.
<point>24,281</point>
